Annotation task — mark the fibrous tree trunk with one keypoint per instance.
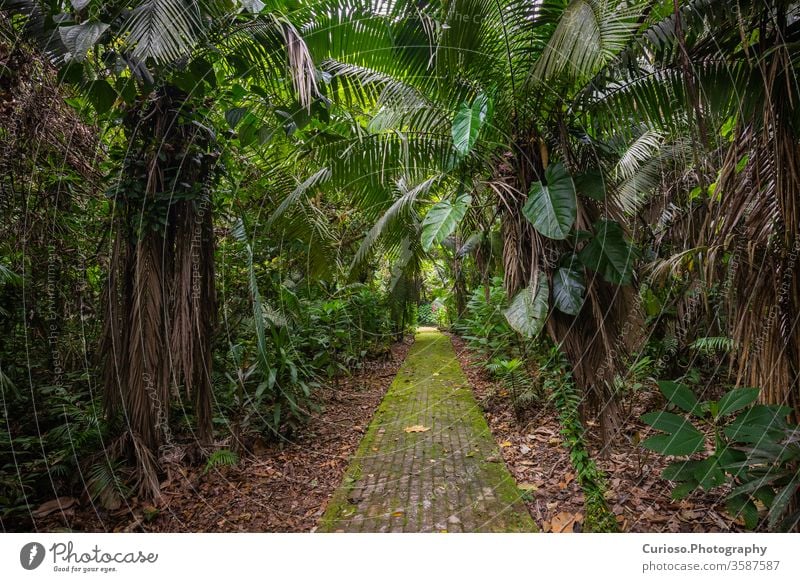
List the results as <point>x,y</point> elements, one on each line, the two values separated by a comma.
<point>160,297</point>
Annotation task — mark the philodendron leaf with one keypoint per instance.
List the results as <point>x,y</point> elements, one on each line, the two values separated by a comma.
<point>442,219</point>
<point>80,38</point>
<point>467,123</point>
<point>528,310</point>
<point>552,207</point>
<point>568,290</point>
<point>609,254</point>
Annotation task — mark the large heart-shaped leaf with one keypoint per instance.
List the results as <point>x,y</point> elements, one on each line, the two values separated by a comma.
<point>81,37</point>
<point>568,290</point>
<point>528,310</point>
<point>467,123</point>
<point>442,219</point>
<point>551,207</point>
<point>609,254</point>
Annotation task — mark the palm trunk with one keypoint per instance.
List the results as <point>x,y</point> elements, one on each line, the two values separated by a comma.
<point>160,298</point>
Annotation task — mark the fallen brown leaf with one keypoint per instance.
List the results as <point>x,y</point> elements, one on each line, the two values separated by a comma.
<point>417,428</point>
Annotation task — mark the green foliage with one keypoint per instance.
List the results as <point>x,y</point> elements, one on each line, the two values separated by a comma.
<point>425,315</point>
<point>753,449</point>
<point>221,458</point>
<point>609,254</point>
<point>528,310</point>
<point>484,326</point>
<point>442,219</point>
<point>552,206</point>
<point>558,382</point>
<point>467,123</point>
<point>515,378</point>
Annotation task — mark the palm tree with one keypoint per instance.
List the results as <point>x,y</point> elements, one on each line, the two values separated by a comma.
<point>471,104</point>
<point>150,67</point>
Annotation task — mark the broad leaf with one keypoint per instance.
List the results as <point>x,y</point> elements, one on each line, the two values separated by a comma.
<point>680,471</point>
<point>442,219</point>
<point>252,6</point>
<point>591,185</point>
<point>666,421</point>
<point>685,441</point>
<point>609,254</point>
<point>235,115</point>
<point>79,4</point>
<point>684,489</point>
<point>471,244</point>
<point>735,400</point>
<point>102,96</point>
<point>528,310</point>
<point>679,395</point>
<point>467,123</point>
<point>782,500</point>
<point>80,38</point>
<point>742,506</point>
<point>552,207</point>
<point>709,474</point>
<point>568,290</point>
<point>757,424</point>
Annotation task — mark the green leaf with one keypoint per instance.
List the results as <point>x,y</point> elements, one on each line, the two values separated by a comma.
<point>552,208</point>
<point>684,489</point>
<point>709,474</point>
<point>568,290</point>
<point>666,421</point>
<point>781,502</point>
<point>742,506</point>
<point>680,471</point>
<point>467,124</point>
<point>102,96</point>
<point>735,400</point>
<point>591,184</point>
<point>609,254</point>
<point>685,441</point>
<point>235,115</point>
<point>80,38</point>
<point>758,423</point>
<point>528,310</point>
<point>679,395</point>
<point>442,219</point>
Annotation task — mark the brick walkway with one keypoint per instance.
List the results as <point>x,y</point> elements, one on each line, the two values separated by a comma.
<point>448,477</point>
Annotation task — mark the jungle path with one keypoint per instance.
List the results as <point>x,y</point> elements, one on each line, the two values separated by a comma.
<point>428,462</point>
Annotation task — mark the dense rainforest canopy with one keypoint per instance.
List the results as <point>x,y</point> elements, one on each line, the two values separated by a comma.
<point>213,209</point>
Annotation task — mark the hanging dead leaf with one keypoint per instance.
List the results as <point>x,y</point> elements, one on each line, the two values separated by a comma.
<point>417,428</point>
<point>59,504</point>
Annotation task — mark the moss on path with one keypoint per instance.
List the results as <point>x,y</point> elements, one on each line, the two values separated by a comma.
<point>448,476</point>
